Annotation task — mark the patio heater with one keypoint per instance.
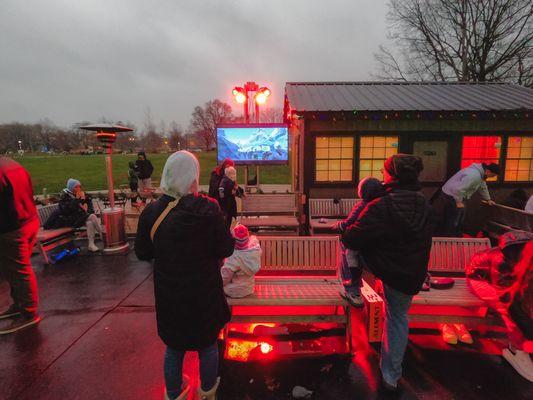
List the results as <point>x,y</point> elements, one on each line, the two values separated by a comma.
<point>112,217</point>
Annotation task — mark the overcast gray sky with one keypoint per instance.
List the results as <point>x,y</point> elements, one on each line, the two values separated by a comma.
<point>76,60</point>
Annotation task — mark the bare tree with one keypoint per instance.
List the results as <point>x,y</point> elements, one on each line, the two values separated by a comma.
<point>271,115</point>
<point>175,139</point>
<point>459,40</point>
<point>205,119</point>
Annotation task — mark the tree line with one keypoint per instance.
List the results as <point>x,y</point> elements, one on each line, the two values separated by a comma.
<point>47,137</point>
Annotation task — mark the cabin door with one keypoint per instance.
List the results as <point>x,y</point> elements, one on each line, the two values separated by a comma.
<point>434,155</point>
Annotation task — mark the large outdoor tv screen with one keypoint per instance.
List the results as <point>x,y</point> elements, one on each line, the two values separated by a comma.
<point>253,144</point>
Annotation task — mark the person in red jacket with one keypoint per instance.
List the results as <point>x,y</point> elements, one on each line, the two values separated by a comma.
<point>503,277</point>
<point>19,225</point>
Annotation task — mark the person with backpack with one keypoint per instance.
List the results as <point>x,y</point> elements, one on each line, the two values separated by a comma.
<point>216,177</point>
<point>394,235</point>
<point>185,234</point>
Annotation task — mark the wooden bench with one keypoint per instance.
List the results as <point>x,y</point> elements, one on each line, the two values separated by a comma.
<point>270,212</point>
<point>50,239</point>
<point>324,213</point>
<point>501,219</point>
<point>298,283</point>
<point>449,257</point>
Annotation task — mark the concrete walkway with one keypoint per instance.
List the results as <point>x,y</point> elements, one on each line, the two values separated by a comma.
<point>98,341</point>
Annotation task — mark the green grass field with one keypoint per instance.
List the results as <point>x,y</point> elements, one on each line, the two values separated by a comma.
<point>52,172</point>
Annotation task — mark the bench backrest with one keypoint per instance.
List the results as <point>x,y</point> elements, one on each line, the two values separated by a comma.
<point>454,254</point>
<point>45,212</point>
<point>319,208</point>
<point>268,204</point>
<point>299,254</point>
<point>511,217</point>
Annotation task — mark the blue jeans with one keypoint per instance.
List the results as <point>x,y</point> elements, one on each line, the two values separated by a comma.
<point>174,364</point>
<point>351,270</point>
<point>395,334</point>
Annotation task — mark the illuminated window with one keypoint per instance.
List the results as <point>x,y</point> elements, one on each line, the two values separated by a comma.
<point>334,159</point>
<point>519,162</point>
<point>373,153</point>
<point>481,149</point>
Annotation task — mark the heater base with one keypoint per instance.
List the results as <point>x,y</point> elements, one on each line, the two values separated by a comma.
<point>120,249</point>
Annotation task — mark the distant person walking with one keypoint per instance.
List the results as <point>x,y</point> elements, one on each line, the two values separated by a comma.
<point>144,169</point>
<point>76,210</point>
<point>185,234</point>
<point>393,234</point>
<point>449,202</point>
<point>216,176</point>
<point>19,225</point>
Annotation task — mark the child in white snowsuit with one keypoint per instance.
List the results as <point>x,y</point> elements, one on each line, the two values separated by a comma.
<point>240,268</point>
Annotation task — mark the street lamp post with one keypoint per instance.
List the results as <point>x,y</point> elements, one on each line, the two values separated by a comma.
<point>113,217</point>
<point>242,96</point>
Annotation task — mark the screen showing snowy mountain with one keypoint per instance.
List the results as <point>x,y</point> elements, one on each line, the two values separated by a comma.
<point>253,145</point>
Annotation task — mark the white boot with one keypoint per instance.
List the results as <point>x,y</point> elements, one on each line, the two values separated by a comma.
<point>90,237</point>
<point>185,388</point>
<point>211,394</point>
<point>520,361</point>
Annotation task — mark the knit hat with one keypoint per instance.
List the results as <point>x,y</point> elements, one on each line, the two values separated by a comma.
<point>72,183</point>
<point>242,237</point>
<point>405,168</point>
<point>231,173</point>
<point>492,167</point>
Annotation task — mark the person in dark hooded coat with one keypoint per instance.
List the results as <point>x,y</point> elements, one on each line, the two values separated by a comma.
<point>144,169</point>
<point>188,246</point>
<point>216,177</point>
<point>393,234</point>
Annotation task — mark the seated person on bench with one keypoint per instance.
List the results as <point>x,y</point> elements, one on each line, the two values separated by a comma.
<point>76,210</point>
<point>240,268</point>
<point>503,277</point>
<point>351,262</point>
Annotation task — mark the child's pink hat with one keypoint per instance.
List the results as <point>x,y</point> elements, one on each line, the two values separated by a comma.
<point>242,237</point>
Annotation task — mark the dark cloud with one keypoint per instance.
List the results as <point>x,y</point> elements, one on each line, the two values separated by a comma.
<point>80,60</point>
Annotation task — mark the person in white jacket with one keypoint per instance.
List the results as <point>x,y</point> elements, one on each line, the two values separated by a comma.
<point>240,268</point>
<point>449,203</point>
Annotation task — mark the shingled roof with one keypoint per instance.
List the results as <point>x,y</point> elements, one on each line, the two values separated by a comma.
<point>407,96</point>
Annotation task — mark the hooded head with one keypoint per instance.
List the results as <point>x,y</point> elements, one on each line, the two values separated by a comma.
<point>369,189</point>
<point>403,168</point>
<point>72,183</point>
<point>242,237</point>
<point>141,155</point>
<point>511,243</point>
<point>231,173</point>
<point>131,164</point>
<point>181,174</point>
<point>228,162</point>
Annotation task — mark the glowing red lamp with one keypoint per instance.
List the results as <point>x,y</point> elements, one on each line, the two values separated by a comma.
<point>239,94</point>
<point>262,95</point>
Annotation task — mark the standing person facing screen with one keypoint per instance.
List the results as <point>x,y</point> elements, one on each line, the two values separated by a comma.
<point>186,236</point>
<point>144,169</point>
<point>393,234</point>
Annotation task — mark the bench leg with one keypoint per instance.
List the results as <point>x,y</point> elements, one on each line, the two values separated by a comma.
<point>44,253</point>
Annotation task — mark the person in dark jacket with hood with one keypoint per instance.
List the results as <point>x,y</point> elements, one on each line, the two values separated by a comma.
<point>144,169</point>
<point>186,236</point>
<point>19,225</point>
<point>216,177</point>
<point>393,234</point>
<point>227,193</point>
<point>351,266</point>
<point>76,210</point>
<point>503,278</point>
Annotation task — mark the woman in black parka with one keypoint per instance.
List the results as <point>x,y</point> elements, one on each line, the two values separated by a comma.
<point>187,248</point>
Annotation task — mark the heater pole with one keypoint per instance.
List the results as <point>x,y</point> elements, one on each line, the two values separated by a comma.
<point>109,167</point>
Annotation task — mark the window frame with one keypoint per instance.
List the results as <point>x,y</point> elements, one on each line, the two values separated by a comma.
<point>528,182</point>
<point>315,136</point>
<point>371,134</point>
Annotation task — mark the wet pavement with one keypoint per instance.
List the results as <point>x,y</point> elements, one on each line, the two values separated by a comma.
<point>98,341</point>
